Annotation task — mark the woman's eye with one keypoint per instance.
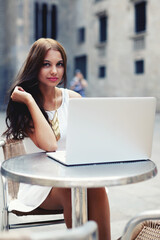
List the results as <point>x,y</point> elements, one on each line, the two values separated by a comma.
<point>46,64</point>
<point>60,64</point>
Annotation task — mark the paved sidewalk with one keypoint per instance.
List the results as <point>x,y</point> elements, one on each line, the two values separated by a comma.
<point>129,200</point>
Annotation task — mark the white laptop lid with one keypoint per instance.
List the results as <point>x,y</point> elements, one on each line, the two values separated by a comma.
<point>109,129</point>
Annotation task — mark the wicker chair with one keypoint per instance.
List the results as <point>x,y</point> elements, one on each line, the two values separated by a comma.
<point>14,148</point>
<point>86,232</point>
<point>144,226</point>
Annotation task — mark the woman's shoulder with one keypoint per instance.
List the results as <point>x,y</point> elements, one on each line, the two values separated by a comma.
<point>73,94</point>
<point>67,93</point>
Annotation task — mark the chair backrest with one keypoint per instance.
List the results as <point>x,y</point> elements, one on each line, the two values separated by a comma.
<point>147,230</point>
<point>13,148</point>
<point>144,226</point>
<point>16,235</point>
<point>88,231</point>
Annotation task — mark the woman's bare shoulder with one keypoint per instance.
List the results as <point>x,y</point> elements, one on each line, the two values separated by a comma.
<point>73,94</point>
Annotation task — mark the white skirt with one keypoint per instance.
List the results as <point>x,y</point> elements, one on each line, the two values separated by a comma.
<point>29,197</point>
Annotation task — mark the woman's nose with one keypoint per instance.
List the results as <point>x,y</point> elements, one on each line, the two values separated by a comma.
<point>53,70</point>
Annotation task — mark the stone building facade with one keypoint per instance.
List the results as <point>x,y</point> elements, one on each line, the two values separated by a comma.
<point>114,42</point>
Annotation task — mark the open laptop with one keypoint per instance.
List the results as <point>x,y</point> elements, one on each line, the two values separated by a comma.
<point>108,130</point>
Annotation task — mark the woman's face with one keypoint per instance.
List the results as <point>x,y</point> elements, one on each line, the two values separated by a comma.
<point>52,70</point>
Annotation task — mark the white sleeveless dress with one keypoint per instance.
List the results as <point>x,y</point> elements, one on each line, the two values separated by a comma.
<point>31,196</point>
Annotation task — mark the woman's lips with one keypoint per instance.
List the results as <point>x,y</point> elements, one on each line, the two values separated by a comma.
<point>53,79</point>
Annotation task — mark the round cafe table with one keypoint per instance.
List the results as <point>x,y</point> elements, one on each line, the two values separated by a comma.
<point>37,168</point>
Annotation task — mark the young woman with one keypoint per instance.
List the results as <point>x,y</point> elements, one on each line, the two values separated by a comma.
<point>38,109</point>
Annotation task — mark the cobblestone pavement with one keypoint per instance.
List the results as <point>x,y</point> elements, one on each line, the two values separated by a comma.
<point>129,200</point>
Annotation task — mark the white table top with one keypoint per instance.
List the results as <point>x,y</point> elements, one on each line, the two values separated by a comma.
<point>39,169</point>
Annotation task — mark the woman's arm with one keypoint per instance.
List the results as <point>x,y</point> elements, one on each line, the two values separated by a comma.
<point>42,134</point>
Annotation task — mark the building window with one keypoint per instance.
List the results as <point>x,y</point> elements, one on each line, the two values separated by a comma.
<point>139,43</point>
<point>140,17</point>
<point>54,22</point>
<point>139,67</point>
<point>36,20</point>
<point>102,72</point>
<point>81,35</point>
<point>102,28</point>
<point>81,63</point>
<point>45,21</point>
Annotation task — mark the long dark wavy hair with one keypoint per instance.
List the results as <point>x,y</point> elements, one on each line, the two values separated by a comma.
<point>18,118</point>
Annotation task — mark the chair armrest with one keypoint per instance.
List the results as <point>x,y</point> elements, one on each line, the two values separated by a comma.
<point>144,216</point>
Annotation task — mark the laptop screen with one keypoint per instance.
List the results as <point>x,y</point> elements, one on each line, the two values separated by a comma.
<point>110,129</point>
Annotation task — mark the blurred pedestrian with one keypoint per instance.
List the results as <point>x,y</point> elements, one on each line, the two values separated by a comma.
<point>78,84</point>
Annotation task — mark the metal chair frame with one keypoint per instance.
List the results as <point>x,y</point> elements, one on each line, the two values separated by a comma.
<point>133,227</point>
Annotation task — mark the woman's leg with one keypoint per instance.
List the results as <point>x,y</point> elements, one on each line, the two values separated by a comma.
<point>98,207</point>
<point>99,211</point>
<point>60,198</point>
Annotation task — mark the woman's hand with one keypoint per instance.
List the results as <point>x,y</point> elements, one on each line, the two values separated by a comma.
<point>20,95</point>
